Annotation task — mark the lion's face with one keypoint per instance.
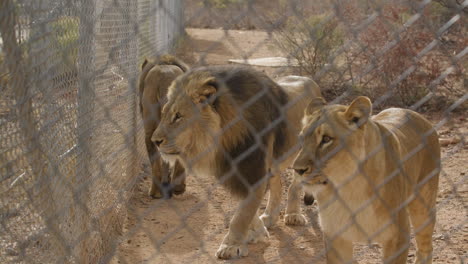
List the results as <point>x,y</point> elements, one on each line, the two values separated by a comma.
<point>189,125</point>
<point>333,143</point>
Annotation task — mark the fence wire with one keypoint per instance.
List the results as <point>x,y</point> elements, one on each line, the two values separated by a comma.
<point>74,167</point>
<point>69,122</point>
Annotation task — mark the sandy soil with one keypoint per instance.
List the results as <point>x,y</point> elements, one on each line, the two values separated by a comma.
<point>189,228</point>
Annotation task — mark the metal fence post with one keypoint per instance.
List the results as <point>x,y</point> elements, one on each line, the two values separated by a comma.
<point>86,95</point>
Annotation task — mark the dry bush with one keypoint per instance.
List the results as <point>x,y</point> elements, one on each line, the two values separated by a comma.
<point>4,74</point>
<point>386,57</point>
<point>403,70</point>
<point>311,42</point>
<point>234,14</point>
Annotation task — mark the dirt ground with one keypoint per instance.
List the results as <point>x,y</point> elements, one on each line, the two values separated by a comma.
<point>190,227</point>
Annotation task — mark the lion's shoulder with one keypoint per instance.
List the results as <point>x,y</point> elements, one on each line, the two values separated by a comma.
<point>402,119</point>
<point>409,128</point>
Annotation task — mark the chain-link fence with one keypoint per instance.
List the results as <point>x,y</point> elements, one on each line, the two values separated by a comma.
<point>72,184</point>
<point>69,122</point>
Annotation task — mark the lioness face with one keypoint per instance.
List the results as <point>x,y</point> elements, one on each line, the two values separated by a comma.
<point>332,143</point>
<point>189,126</point>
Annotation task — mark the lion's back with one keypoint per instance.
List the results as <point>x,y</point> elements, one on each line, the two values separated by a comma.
<point>158,80</point>
<point>418,140</point>
<point>259,98</point>
<point>300,90</point>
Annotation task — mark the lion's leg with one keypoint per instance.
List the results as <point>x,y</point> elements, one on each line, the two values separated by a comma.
<point>159,170</point>
<point>338,250</point>
<point>235,242</point>
<point>293,214</point>
<point>257,231</point>
<point>423,223</point>
<point>155,183</point>
<point>395,250</point>
<point>149,125</point>
<point>150,147</point>
<point>271,214</point>
<point>160,182</point>
<point>154,159</point>
<point>422,212</point>
<point>178,178</point>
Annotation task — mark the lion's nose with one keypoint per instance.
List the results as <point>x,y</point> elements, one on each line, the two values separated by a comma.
<point>301,171</point>
<point>158,142</point>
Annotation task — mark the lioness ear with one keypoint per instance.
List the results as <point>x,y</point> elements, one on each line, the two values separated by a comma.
<point>144,63</point>
<point>207,88</point>
<point>315,104</point>
<point>359,111</point>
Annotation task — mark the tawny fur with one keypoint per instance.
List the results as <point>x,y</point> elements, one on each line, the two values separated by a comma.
<point>155,77</point>
<point>236,125</point>
<point>370,176</point>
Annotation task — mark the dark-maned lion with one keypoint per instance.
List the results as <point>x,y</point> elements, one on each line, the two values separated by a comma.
<point>370,176</point>
<point>155,78</point>
<point>239,126</point>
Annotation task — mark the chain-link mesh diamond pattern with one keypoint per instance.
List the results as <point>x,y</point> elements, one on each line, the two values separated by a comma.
<point>75,175</point>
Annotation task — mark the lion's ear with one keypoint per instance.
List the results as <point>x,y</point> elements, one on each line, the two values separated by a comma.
<point>144,63</point>
<point>208,87</point>
<point>359,111</point>
<point>315,104</point>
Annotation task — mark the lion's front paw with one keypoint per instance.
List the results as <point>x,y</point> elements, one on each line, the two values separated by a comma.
<point>295,219</point>
<point>165,192</point>
<point>179,189</point>
<point>260,234</point>
<point>154,192</point>
<point>423,258</point>
<point>268,220</point>
<point>226,251</point>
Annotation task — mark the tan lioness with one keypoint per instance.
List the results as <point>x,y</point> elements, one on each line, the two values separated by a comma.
<point>155,77</point>
<point>370,176</point>
<point>240,127</point>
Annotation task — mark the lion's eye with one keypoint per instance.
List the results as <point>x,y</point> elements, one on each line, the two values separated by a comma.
<point>177,117</point>
<point>325,140</point>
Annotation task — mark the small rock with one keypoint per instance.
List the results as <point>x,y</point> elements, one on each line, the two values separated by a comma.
<point>449,141</point>
<point>11,252</point>
<point>129,241</point>
<point>444,132</point>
